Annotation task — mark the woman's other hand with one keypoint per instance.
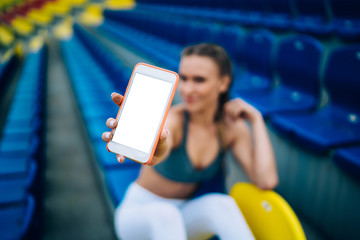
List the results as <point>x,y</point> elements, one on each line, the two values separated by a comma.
<point>239,108</point>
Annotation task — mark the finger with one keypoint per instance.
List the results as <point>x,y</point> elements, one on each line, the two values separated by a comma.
<point>106,136</point>
<point>117,98</point>
<point>164,134</point>
<point>111,123</point>
<point>120,158</point>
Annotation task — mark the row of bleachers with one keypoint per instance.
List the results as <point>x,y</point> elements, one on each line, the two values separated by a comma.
<point>286,77</point>
<point>21,153</point>
<point>91,68</point>
<point>320,17</point>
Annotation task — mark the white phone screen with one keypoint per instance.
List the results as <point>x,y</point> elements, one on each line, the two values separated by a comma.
<point>142,112</point>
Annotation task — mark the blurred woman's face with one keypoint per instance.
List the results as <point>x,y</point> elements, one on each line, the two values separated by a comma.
<point>200,85</point>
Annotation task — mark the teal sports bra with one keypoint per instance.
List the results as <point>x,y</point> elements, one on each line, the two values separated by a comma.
<point>178,166</point>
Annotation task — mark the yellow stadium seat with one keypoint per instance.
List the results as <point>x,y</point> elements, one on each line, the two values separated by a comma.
<point>119,4</point>
<point>77,3</point>
<point>22,26</point>
<point>92,15</point>
<point>36,43</point>
<point>64,30</point>
<point>40,17</point>
<point>59,8</point>
<point>268,215</point>
<point>6,36</point>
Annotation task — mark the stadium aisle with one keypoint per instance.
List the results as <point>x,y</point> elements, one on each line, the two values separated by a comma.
<point>75,206</point>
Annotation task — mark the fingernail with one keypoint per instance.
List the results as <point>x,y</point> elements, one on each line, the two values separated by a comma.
<point>112,122</point>
<point>113,93</point>
<point>107,135</point>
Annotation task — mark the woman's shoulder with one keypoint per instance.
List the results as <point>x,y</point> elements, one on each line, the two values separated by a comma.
<point>233,129</point>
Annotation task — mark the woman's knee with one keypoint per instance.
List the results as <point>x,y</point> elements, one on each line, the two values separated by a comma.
<point>216,200</point>
<point>217,206</point>
<point>154,219</point>
<point>165,213</point>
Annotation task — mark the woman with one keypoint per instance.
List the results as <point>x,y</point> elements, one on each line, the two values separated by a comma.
<point>161,203</point>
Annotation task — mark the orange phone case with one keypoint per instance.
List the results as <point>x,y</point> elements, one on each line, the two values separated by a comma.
<point>166,110</point>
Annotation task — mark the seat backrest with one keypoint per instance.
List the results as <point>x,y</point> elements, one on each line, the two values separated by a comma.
<point>311,8</point>
<point>279,7</point>
<point>346,9</point>
<point>297,61</point>
<point>342,76</point>
<point>230,38</point>
<point>256,52</point>
<point>247,5</point>
<point>201,32</point>
<point>268,215</point>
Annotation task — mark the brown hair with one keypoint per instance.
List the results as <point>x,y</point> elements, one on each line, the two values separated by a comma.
<point>221,58</point>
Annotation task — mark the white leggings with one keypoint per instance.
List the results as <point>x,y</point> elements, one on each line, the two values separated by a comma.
<point>144,215</point>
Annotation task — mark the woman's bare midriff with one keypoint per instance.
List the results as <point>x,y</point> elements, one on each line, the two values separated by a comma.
<point>151,180</point>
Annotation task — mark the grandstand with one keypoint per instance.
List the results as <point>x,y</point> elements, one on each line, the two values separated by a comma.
<point>296,61</point>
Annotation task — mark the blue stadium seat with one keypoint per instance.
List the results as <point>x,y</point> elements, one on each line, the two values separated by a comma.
<point>96,126</point>
<point>337,123</point>
<point>346,18</point>
<point>157,49</point>
<point>256,52</point>
<point>200,32</point>
<point>349,160</point>
<point>312,17</point>
<point>16,182</point>
<point>108,160</point>
<point>297,63</point>
<point>250,11</point>
<point>118,180</point>
<point>16,219</point>
<point>279,16</point>
<point>230,38</point>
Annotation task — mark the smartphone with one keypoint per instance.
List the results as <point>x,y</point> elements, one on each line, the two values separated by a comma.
<point>143,112</point>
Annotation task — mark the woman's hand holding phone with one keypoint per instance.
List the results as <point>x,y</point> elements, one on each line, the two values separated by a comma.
<point>112,124</point>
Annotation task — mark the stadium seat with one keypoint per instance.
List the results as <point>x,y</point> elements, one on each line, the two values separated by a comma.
<point>312,17</point>
<point>6,36</point>
<point>230,38</point>
<point>346,18</point>
<point>256,52</point>
<point>118,180</point>
<point>268,215</point>
<point>108,160</point>
<point>279,16</point>
<point>16,219</point>
<point>247,12</point>
<point>297,63</point>
<point>16,181</point>
<point>155,48</point>
<point>349,159</point>
<point>337,123</point>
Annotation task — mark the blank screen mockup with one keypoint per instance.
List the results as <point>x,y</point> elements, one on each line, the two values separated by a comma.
<point>142,112</point>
